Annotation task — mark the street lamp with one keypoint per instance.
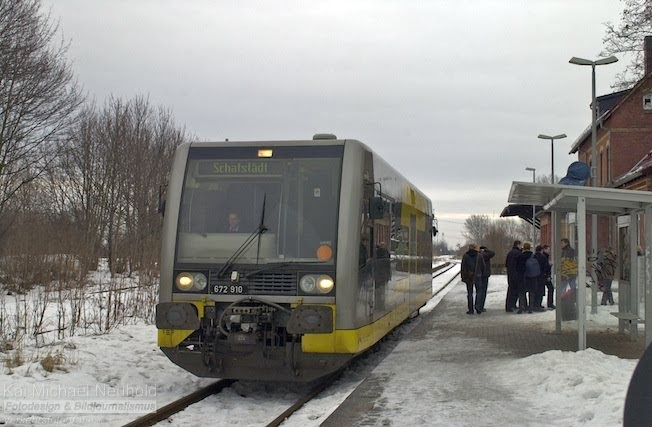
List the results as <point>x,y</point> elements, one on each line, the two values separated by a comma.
<point>594,109</point>
<point>534,232</point>
<point>594,163</point>
<point>552,153</point>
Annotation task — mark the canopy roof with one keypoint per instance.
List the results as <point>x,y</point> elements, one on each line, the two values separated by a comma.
<point>522,211</point>
<point>563,198</point>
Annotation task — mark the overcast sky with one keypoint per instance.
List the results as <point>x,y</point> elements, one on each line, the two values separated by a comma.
<point>452,93</point>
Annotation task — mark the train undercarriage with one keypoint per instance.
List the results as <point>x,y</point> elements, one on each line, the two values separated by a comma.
<point>252,339</point>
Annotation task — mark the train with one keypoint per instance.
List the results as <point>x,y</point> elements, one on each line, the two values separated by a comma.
<point>332,251</point>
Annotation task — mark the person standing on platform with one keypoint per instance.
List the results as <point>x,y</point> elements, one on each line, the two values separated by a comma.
<point>568,281</point>
<point>512,277</point>
<point>487,254</point>
<point>550,288</point>
<point>471,271</point>
<point>568,265</point>
<point>527,279</point>
<point>605,272</point>
<point>541,279</point>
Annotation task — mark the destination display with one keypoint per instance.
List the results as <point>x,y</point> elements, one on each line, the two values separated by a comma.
<point>239,167</point>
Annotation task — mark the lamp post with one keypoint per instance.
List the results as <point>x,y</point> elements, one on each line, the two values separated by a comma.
<point>594,109</point>
<point>533,170</point>
<point>552,153</point>
<point>594,163</point>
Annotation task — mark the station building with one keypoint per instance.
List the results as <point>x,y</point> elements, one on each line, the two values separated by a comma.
<point>624,145</point>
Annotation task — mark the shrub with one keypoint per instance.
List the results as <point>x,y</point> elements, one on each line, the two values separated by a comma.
<point>53,361</point>
<point>14,360</point>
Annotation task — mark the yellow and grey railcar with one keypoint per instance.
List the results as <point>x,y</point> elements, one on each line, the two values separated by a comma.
<point>332,251</point>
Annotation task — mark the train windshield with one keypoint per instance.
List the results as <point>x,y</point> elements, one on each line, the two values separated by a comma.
<point>230,193</point>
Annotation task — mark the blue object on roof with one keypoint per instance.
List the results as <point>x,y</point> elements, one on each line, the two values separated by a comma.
<point>577,174</point>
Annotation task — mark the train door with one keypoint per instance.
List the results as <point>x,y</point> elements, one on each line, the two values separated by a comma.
<point>366,268</point>
<point>381,262</point>
<point>413,259</point>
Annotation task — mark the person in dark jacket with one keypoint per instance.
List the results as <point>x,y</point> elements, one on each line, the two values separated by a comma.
<point>487,254</point>
<point>605,272</point>
<point>472,270</point>
<point>541,279</point>
<point>512,277</point>
<point>550,288</point>
<point>526,285</point>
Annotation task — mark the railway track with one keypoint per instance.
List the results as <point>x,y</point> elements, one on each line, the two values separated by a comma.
<point>181,404</point>
<point>314,392</point>
<point>442,268</point>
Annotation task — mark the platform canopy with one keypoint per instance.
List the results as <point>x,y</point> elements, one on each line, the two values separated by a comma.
<point>556,198</point>
<point>522,211</point>
<point>563,198</point>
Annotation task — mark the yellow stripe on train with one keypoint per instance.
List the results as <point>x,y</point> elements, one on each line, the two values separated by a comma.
<point>352,341</point>
<point>174,337</point>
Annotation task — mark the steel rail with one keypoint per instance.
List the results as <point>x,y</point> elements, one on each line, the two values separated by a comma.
<point>314,392</point>
<point>180,404</point>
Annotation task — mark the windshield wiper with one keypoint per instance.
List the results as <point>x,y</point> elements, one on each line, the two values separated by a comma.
<point>245,245</point>
<point>260,226</point>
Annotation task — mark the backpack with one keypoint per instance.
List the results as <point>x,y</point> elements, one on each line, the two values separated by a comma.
<point>532,268</point>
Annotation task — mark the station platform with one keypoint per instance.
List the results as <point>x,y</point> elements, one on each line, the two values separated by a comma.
<point>460,347</point>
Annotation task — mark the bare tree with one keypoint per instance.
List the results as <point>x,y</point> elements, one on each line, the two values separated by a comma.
<point>38,96</point>
<point>496,234</point>
<point>476,228</point>
<point>117,159</point>
<point>627,37</point>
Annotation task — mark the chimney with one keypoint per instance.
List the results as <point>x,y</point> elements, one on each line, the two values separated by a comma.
<point>647,54</point>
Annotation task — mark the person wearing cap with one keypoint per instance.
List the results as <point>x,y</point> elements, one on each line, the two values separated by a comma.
<point>472,269</point>
<point>512,277</point>
<point>487,254</point>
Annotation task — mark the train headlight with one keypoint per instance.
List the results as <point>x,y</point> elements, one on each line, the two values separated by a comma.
<point>316,284</point>
<point>200,281</point>
<point>191,281</point>
<point>184,281</point>
<point>325,284</point>
<point>308,284</point>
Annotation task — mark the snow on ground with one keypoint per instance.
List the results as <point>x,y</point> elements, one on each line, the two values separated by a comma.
<point>125,367</point>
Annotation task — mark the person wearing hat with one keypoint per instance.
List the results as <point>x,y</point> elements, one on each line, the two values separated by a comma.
<point>487,254</point>
<point>472,269</point>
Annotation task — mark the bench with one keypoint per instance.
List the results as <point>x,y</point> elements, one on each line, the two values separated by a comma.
<point>630,317</point>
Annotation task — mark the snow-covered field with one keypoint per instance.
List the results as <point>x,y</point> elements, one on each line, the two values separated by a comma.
<point>114,377</point>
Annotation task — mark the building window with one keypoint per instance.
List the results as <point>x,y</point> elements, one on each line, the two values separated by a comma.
<point>602,168</point>
<point>647,102</point>
<point>608,175</point>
